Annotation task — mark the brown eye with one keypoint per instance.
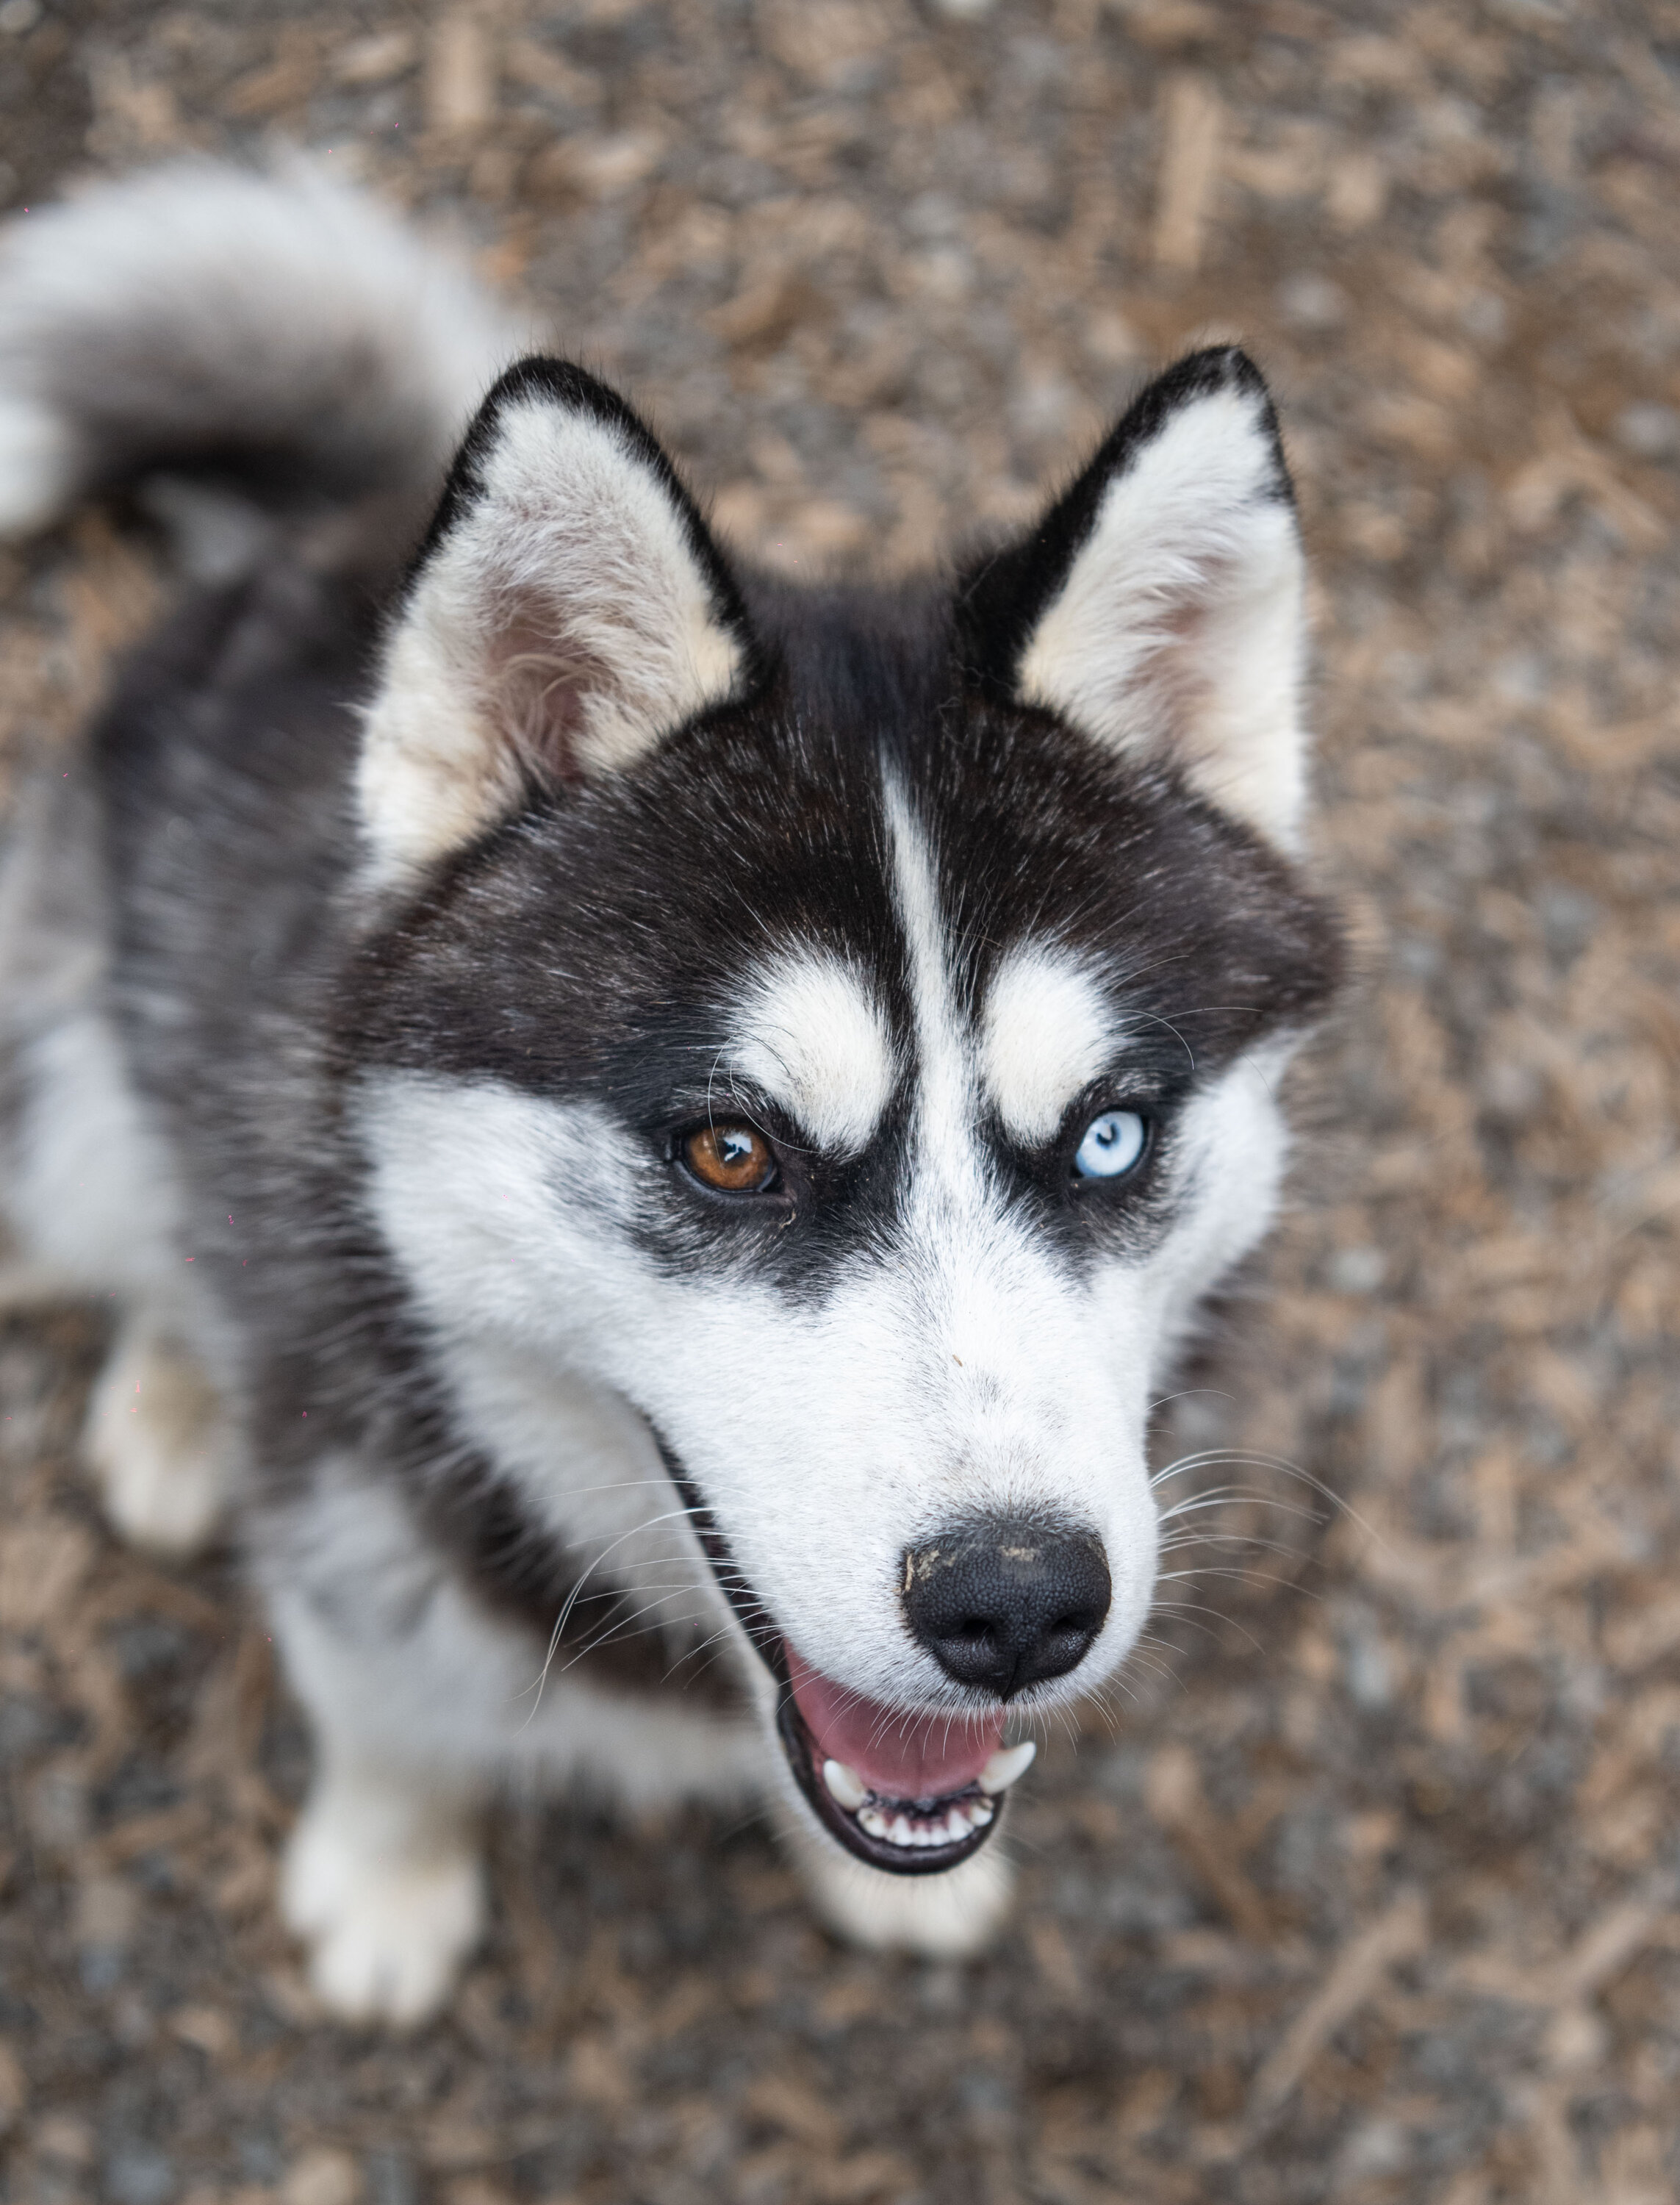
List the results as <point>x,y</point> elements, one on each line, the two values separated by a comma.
<point>733,1159</point>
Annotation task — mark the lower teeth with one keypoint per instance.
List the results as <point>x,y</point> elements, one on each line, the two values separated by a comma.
<point>962,1820</point>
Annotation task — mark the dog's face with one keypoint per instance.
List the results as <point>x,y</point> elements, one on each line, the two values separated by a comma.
<point>836,1043</point>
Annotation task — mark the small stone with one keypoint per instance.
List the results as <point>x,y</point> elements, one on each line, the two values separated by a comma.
<point>14,2087</point>
<point>60,2137</point>
<point>1569,919</point>
<point>1041,407</point>
<point>205,2027</point>
<point>58,1810</point>
<point>105,1912</point>
<point>1648,431</point>
<point>1576,2039</point>
<point>141,2175</point>
<point>1307,301</point>
<point>1357,1271</point>
<point>1112,340</point>
<point>1367,1671</point>
<point>1483,316</point>
<point>321,2177</point>
<point>390,2178</point>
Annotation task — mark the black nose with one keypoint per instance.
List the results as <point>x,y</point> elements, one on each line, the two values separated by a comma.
<point>1004,1604</point>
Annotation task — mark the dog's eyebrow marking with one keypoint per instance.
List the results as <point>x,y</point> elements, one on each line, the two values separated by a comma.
<point>1046,1032</point>
<point>811,1037</point>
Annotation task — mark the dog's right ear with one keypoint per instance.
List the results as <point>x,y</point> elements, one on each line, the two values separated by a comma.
<point>567,610</point>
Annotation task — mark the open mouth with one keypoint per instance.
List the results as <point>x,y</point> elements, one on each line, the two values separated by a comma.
<point>914,1794</point>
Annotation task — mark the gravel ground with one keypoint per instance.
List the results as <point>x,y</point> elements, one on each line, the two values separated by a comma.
<point>1370,1889</point>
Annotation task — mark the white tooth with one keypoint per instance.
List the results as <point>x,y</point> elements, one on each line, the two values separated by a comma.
<point>901,1834</point>
<point>872,1820</point>
<point>980,1812</point>
<point>1008,1763</point>
<point>958,1826</point>
<point>847,1786</point>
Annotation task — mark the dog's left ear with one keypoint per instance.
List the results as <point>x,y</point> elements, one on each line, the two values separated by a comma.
<point>1158,604</point>
<point>567,611</point>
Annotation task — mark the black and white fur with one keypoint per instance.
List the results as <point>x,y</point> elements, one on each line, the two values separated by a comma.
<point>402,910</point>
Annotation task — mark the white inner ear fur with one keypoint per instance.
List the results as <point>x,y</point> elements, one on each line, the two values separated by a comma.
<point>1179,632</point>
<point>811,1037</point>
<point>563,624</point>
<point>1048,1032</point>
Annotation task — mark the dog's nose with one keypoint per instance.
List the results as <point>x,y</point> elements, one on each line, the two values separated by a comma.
<point>1004,1604</point>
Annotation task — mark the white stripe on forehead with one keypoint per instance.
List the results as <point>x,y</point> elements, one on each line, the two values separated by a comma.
<point>946,1078</point>
<point>812,1037</point>
<point>1048,1032</point>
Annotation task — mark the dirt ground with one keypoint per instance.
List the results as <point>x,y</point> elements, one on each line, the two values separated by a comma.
<point>1371,1889</point>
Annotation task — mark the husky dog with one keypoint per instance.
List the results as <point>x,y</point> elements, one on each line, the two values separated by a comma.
<point>659,1131</point>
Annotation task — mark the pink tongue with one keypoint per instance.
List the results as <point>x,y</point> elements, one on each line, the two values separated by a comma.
<point>901,1756</point>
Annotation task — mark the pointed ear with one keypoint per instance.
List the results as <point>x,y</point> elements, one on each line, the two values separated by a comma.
<point>1158,605</point>
<point>566,610</point>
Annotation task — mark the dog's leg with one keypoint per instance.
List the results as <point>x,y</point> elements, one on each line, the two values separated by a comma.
<point>944,1917</point>
<point>159,1441</point>
<point>383,1881</point>
<point>407,1698</point>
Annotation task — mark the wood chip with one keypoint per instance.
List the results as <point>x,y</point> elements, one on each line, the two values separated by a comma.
<point>322,2176</point>
<point>1605,1947</point>
<point>41,1565</point>
<point>460,75</point>
<point>1357,1972</point>
<point>1191,125</point>
<point>1176,1799</point>
<point>378,59</point>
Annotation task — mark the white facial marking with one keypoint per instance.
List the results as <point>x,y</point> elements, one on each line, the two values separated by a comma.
<point>812,1037</point>
<point>1049,1031</point>
<point>945,1075</point>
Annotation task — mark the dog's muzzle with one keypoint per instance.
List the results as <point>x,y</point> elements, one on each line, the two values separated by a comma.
<point>1002,1605</point>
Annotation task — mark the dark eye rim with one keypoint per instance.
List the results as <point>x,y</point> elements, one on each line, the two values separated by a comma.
<point>1081,1124</point>
<point>776,1190</point>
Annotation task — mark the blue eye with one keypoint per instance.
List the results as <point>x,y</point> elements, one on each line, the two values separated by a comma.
<point>1112,1146</point>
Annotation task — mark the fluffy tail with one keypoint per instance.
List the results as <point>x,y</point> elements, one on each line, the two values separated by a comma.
<point>278,332</point>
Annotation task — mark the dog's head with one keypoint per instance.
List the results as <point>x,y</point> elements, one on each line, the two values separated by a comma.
<point>831,1039</point>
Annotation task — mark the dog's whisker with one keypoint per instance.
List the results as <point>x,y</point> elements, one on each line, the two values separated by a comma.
<point>558,1632</point>
<point>1190,1609</point>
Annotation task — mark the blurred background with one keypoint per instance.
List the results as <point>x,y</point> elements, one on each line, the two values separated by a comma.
<point>1371,1890</point>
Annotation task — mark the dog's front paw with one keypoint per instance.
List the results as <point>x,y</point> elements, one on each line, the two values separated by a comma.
<point>944,1917</point>
<point>387,1930</point>
<point>158,1440</point>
